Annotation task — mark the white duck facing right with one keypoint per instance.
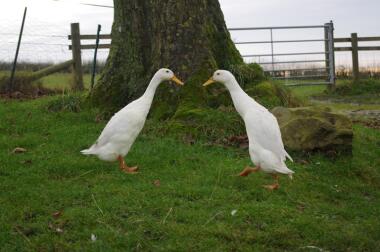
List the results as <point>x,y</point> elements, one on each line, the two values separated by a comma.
<point>266,148</point>
<point>122,130</point>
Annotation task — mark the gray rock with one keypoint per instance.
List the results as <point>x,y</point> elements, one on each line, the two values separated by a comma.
<point>310,129</point>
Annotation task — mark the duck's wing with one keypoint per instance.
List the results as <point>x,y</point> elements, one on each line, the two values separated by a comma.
<point>262,128</point>
<point>127,120</point>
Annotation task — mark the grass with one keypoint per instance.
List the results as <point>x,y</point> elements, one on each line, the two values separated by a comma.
<point>57,81</point>
<point>308,91</point>
<point>61,81</point>
<point>331,204</point>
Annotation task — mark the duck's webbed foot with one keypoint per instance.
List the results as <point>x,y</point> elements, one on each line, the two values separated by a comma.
<point>274,186</point>
<point>130,170</point>
<point>248,170</point>
<point>125,168</point>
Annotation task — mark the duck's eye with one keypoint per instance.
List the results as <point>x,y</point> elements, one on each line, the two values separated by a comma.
<point>167,71</point>
<point>218,74</point>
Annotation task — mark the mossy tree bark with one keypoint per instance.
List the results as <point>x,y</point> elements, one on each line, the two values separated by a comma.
<point>189,37</point>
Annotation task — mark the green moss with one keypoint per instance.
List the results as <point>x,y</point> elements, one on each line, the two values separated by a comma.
<point>248,75</point>
<point>271,95</point>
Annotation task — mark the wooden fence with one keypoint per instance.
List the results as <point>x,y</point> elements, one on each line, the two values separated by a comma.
<point>76,48</point>
<point>355,48</point>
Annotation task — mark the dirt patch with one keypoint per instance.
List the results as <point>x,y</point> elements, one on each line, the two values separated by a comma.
<point>367,114</point>
<point>368,118</point>
<point>24,87</point>
<point>373,124</point>
<point>37,93</point>
<point>351,100</point>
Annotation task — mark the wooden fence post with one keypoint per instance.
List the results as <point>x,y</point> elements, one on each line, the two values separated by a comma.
<point>355,56</point>
<point>77,58</point>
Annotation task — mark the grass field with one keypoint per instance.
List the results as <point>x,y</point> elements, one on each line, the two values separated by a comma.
<point>62,81</point>
<point>54,199</point>
<point>58,81</point>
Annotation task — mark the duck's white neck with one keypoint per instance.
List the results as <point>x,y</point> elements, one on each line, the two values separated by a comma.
<point>233,86</point>
<point>151,89</point>
<point>239,97</point>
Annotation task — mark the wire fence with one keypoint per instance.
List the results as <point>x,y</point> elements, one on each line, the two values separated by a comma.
<point>45,42</point>
<point>369,61</point>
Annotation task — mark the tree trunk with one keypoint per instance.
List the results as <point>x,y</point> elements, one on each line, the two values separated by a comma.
<point>189,37</point>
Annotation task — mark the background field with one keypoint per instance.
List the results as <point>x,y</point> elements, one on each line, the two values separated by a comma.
<point>53,198</point>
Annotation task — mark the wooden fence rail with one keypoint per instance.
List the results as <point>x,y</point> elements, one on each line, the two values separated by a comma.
<point>355,48</point>
<point>76,48</point>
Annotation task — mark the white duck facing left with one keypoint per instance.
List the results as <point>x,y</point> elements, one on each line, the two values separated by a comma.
<point>122,130</point>
<point>266,148</point>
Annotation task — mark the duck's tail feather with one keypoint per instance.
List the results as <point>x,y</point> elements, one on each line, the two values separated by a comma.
<point>285,170</point>
<point>288,156</point>
<point>89,151</point>
<point>86,152</point>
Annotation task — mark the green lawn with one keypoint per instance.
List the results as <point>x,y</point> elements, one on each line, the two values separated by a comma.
<point>331,204</point>
<point>308,91</point>
<point>62,81</point>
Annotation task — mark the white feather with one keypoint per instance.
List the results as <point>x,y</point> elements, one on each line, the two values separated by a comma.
<point>265,141</point>
<point>122,130</point>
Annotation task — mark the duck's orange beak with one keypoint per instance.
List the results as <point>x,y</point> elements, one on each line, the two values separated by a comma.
<point>177,81</point>
<point>209,82</point>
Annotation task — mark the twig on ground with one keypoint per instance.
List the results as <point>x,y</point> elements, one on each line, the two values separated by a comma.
<point>78,177</point>
<point>216,184</point>
<point>167,215</point>
<point>212,218</point>
<point>23,235</point>
<point>96,204</point>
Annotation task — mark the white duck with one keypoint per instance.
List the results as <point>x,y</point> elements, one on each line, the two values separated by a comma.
<point>265,143</point>
<point>121,131</point>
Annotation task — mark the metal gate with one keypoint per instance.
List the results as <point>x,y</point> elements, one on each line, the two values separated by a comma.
<point>324,75</point>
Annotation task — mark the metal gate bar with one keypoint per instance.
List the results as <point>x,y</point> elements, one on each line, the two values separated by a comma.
<point>284,54</point>
<point>295,61</point>
<point>307,84</point>
<point>329,53</point>
<point>301,77</point>
<point>281,41</point>
<point>298,69</point>
<point>276,28</point>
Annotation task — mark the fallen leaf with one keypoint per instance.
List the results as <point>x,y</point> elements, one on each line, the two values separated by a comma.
<point>57,214</point>
<point>301,207</point>
<point>189,139</point>
<point>304,162</point>
<point>19,150</point>
<point>157,183</point>
<point>93,238</point>
<point>233,212</point>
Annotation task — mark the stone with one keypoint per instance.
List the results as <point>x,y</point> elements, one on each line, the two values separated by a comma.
<point>314,129</point>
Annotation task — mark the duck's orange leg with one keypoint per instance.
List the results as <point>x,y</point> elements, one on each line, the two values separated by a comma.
<point>274,186</point>
<point>248,170</point>
<point>123,166</point>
